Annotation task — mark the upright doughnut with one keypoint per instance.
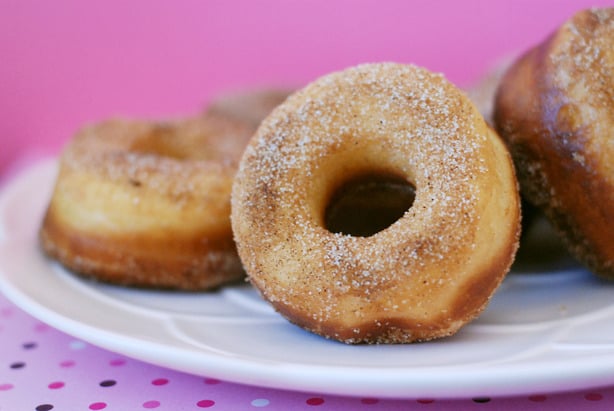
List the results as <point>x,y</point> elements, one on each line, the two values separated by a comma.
<point>148,204</point>
<point>555,110</point>
<point>376,131</point>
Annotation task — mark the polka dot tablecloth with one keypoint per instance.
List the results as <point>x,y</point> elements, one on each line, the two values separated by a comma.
<point>43,369</point>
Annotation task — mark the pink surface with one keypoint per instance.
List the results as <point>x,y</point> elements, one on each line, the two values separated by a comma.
<point>65,63</point>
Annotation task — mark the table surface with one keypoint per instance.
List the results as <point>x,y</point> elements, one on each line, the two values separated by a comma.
<point>69,63</point>
<point>42,368</point>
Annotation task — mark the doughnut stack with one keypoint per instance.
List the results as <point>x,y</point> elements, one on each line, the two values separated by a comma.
<point>374,205</point>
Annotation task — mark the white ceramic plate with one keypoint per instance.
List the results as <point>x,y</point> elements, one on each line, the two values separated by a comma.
<point>542,332</point>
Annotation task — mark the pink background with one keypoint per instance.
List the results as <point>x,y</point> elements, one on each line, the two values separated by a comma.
<point>66,63</point>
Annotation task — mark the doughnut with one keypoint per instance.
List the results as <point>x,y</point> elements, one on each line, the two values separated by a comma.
<point>482,92</point>
<point>432,194</point>
<point>555,110</point>
<point>147,204</point>
<point>250,106</point>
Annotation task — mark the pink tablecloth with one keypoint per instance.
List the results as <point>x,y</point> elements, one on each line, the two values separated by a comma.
<point>43,369</point>
<point>71,62</point>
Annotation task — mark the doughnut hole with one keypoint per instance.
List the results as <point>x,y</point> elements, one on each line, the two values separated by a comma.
<point>183,142</point>
<point>367,204</point>
<point>160,141</point>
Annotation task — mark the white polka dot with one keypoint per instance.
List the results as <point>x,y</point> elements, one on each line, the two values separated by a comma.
<point>260,402</point>
<point>77,345</point>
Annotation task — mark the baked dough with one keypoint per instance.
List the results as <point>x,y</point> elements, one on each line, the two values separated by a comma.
<point>148,204</point>
<point>426,274</point>
<point>555,110</point>
<point>250,106</point>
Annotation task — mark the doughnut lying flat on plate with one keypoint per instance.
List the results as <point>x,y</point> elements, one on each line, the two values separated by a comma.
<point>407,154</point>
<point>555,110</point>
<point>148,204</point>
<point>250,106</point>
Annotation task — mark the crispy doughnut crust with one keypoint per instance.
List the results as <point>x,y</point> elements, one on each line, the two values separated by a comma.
<point>482,94</point>
<point>428,273</point>
<point>148,204</point>
<point>555,110</point>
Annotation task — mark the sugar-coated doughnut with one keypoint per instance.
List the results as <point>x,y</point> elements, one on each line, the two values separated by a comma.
<point>250,106</point>
<point>482,94</point>
<point>555,110</point>
<point>383,132</point>
<point>148,204</point>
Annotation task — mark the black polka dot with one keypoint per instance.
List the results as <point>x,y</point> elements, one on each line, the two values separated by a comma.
<point>18,365</point>
<point>29,345</point>
<point>44,407</point>
<point>481,400</point>
<point>108,383</point>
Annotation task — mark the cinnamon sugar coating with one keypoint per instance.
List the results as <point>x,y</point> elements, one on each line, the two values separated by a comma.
<point>555,110</point>
<point>148,204</point>
<point>428,273</point>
